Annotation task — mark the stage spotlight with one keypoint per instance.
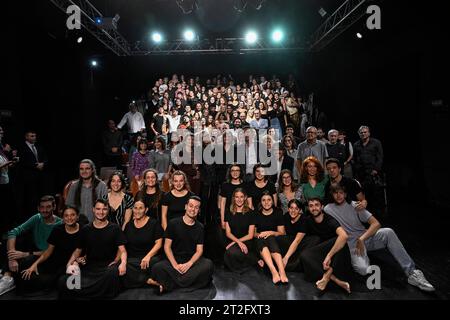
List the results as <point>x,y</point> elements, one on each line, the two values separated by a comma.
<point>359,35</point>
<point>189,35</point>
<point>156,37</point>
<point>251,37</point>
<point>98,20</point>
<point>80,39</point>
<point>94,63</point>
<point>277,35</point>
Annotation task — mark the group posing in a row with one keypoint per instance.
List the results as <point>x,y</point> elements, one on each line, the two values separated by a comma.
<point>122,248</point>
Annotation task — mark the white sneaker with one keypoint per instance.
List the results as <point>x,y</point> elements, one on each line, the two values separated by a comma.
<point>6,284</point>
<point>416,278</point>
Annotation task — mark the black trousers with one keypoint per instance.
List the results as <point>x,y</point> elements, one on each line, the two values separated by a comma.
<point>97,282</point>
<point>198,276</point>
<point>135,276</point>
<point>285,242</point>
<point>312,261</point>
<point>239,262</point>
<point>270,242</point>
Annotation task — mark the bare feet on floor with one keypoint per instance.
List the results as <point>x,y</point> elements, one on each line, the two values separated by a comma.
<point>152,282</point>
<point>344,285</point>
<point>284,278</point>
<point>322,283</point>
<point>276,278</point>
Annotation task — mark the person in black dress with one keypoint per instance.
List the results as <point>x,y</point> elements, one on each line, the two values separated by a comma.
<point>151,194</point>
<point>234,181</point>
<point>144,240</point>
<point>120,203</point>
<point>63,240</point>
<point>269,225</point>
<point>295,240</point>
<point>329,260</point>
<point>173,202</point>
<point>185,266</point>
<point>240,230</point>
<point>257,187</point>
<point>103,244</point>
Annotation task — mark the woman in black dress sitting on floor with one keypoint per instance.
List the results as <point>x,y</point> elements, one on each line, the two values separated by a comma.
<point>269,225</point>
<point>295,240</point>
<point>144,241</point>
<point>240,229</point>
<point>63,239</point>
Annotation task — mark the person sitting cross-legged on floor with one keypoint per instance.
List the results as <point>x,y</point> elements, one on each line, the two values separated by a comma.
<point>144,241</point>
<point>40,225</point>
<point>362,240</point>
<point>330,259</point>
<point>185,266</point>
<point>63,239</point>
<point>240,229</point>
<point>103,246</point>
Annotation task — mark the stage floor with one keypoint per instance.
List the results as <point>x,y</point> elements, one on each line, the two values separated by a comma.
<point>426,245</point>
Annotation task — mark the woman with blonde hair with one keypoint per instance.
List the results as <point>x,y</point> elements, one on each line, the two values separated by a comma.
<point>173,202</point>
<point>239,230</point>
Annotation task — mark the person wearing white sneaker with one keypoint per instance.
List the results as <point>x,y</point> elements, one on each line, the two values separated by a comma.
<point>6,284</point>
<point>40,225</point>
<point>361,240</point>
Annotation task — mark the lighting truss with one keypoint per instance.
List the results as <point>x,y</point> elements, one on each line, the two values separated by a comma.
<point>344,17</point>
<point>112,39</point>
<point>217,46</point>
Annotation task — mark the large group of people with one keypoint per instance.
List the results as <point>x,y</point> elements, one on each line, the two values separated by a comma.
<point>307,209</point>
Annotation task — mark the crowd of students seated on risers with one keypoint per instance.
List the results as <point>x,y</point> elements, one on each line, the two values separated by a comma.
<point>113,242</point>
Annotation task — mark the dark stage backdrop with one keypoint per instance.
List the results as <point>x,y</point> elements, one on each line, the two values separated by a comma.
<point>386,81</point>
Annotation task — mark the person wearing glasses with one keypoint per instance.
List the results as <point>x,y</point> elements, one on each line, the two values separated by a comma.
<point>311,147</point>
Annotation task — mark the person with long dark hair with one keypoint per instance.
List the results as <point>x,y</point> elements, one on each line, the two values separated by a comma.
<point>140,160</point>
<point>144,241</point>
<point>260,185</point>
<point>120,203</point>
<point>313,179</point>
<point>295,240</point>
<point>103,244</point>
<point>151,193</point>
<point>287,189</point>
<point>63,239</point>
<point>83,192</point>
<point>240,230</point>
<point>269,225</point>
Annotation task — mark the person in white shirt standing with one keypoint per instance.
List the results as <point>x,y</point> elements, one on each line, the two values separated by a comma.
<point>134,120</point>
